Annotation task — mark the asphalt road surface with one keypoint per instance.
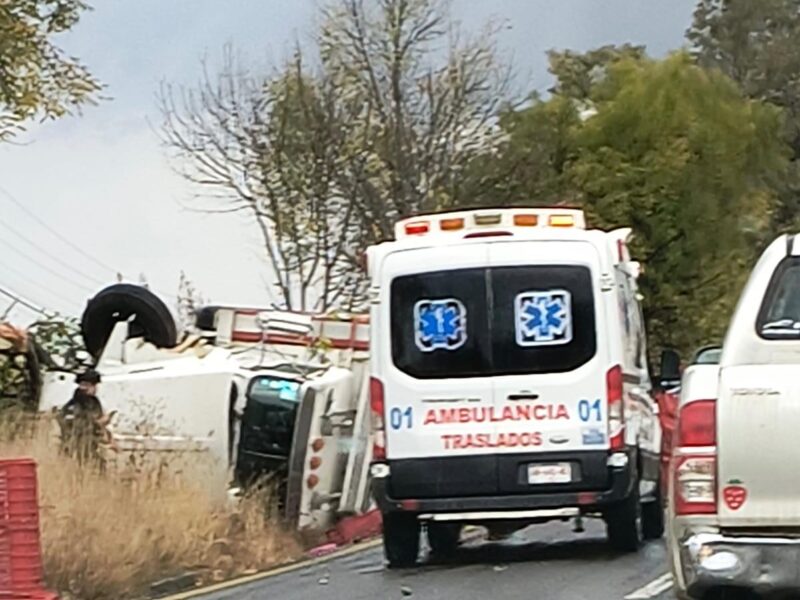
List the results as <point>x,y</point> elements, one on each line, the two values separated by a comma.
<point>547,562</point>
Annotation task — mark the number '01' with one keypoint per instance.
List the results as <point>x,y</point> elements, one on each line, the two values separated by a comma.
<point>399,418</point>
<point>587,410</point>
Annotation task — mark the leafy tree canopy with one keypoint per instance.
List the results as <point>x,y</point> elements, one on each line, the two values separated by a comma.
<point>36,78</point>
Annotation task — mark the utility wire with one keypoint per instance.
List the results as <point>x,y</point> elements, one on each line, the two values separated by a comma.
<point>52,257</point>
<point>6,194</point>
<point>53,231</point>
<point>53,272</point>
<point>32,281</point>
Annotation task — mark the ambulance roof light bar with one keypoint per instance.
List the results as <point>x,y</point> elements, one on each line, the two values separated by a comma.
<point>468,222</point>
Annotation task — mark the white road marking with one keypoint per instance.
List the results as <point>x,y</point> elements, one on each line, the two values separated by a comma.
<point>652,589</point>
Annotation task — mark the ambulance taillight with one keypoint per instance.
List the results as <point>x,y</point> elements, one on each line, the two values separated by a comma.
<point>377,408</point>
<point>616,408</point>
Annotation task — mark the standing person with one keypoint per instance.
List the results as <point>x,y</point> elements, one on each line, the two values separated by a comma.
<point>82,420</point>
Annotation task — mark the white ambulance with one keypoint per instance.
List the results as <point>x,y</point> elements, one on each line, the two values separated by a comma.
<point>509,379</point>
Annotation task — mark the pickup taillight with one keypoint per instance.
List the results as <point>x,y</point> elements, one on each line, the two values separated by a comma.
<point>695,459</point>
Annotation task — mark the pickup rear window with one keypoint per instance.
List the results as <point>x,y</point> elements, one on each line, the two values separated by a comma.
<point>779,317</point>
<point>483,322</point>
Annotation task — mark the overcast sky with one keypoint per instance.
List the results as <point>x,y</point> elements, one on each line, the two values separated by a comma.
<point>102,180</point>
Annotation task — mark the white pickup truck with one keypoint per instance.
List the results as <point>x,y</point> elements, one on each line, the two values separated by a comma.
<point>734,502</point>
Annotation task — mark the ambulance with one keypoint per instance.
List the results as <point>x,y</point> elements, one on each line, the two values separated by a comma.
<point>509,380</point>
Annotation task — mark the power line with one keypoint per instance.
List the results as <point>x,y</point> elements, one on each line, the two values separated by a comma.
<point>30,280</point>
<point>53,231</point>
<point>52,257</point>
<point>5,193</point>
<point>45,267</point>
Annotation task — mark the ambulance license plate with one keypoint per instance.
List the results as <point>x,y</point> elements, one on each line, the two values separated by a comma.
<point>549,473</point>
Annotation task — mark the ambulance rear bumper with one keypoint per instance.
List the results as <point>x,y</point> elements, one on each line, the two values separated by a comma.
<point>621,486</point>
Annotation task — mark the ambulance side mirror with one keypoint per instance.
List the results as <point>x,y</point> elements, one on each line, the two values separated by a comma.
<point>670,369</point>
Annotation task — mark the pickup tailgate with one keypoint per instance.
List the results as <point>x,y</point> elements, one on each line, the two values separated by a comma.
<point>758,423</point>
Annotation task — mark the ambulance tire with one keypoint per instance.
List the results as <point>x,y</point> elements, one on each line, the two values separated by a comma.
<point>400,540</point>
<point>653,516</point>
<point>152,319</point>
<point>443,539</point>
<point>624,523</point>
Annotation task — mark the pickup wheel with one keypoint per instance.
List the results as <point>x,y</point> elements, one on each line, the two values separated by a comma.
<point>624,523</point>
<point>400,540</point>
<point>653,516</point>
<point>443,539</point>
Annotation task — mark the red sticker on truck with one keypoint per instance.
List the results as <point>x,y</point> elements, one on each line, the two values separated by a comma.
<point>735,496</point>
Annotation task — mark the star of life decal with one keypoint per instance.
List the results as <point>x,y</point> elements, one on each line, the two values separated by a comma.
<point>440,324</point>
<point>543,318</point>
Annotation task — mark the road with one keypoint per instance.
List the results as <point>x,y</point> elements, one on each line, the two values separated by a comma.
<point>548,562</point>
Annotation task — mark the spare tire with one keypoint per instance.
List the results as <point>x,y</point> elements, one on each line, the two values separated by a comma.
<point>152,319</point>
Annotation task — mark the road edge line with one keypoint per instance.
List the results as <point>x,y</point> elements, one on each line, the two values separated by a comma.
<point>281,570</point>
<point>655,588</point>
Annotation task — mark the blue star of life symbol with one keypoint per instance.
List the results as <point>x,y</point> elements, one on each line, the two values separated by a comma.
<point>440,324</point>
<point>543,318</point>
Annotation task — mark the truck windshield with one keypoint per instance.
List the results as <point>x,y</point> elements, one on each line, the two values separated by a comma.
<point>270,390</point>
<point>780,313</point>
<point>267,428</point>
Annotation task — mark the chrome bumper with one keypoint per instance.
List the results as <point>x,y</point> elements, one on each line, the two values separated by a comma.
<point>762,564</point>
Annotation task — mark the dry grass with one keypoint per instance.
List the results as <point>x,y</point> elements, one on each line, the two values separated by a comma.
<point>107,537</point>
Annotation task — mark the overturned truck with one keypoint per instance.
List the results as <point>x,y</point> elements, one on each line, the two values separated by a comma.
<point>256,394</point>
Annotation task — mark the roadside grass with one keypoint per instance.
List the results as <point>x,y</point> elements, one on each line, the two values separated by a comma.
<point>111,536</point>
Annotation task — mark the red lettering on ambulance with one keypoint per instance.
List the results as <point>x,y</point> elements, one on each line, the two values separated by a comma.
<point>487,440</point>
<point>484,414</point>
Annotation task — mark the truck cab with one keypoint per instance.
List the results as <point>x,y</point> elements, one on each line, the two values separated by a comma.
<point>734,507</point>
<point>509,379</point>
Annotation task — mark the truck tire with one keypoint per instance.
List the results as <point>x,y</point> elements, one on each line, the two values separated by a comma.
<point>151,317</point>
<point>624,523</point>
<point>443,539</point>
<point>400,540</point>
<point>653,516</point>
<point>204,319</point>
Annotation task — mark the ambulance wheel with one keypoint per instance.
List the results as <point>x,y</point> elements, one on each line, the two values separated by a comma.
<point>624,523</point>
<point>400,540</point>
<point>653,516</point>
<point>443,538</point>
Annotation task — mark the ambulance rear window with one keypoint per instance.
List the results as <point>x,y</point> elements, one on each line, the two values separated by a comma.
<point>484,322</point>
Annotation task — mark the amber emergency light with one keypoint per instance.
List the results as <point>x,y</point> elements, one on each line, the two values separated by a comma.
<point>467,224</point>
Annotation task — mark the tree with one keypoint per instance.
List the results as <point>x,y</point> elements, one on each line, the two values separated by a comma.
<point>755,43</point>
<point>677,153</point>
<point>325,153</point>
<point>578,73</point>
<point>36,77</point>
<point>529,164</point>
<point>269,146</point>
<point>189,301</point>
<point>668,148</point>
